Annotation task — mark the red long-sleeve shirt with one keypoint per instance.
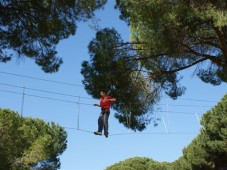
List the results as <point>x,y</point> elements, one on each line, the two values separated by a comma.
<point>104,103</point>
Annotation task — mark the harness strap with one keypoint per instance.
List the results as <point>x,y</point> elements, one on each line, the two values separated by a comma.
<point>105,110</point>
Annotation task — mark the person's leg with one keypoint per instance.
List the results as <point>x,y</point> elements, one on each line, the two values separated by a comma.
<point>105,121</point>
<point>100,122</point>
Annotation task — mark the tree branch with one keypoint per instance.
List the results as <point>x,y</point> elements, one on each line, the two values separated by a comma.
<point>210,57</point>
<point>133,49</point>
<point>4,8</point>
<point>185,67</point>
<point>222,40</point>
<point>132,43</point>
<point>209,42</point>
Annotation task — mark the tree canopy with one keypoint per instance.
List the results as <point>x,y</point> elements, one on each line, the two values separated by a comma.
<point>108,69</point>
<point>167,37</point>
<point>171,36</point>
<point>138,163</point>
<point>208,151</point>
<point>27,143</point>
<point>33,28</point>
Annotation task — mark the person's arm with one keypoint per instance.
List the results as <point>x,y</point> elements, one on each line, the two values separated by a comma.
<point>112,99</point>
<point>97,105</point>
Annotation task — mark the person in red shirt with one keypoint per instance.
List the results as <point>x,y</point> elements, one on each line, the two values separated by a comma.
<point>105,103</point>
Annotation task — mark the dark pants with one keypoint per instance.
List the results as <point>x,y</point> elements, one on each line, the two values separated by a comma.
<point>103,120</point>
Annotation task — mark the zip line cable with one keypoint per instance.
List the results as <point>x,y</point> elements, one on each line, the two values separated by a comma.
<point>45,91</point>
<point>137,133</point>
<point>87,131</point>
<point>35,78</point>
<point>155,133</point>
<point>198,100</point>
<point>69,101</point>
<point>69,95</point>
<point>183,105</point>
<point>74,102</point>
<point>7,91</point>
<point>49,98</point>
<point>77,85</point>
<point>78,104</point>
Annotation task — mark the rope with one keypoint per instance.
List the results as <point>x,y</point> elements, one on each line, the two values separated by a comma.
<point>128,112</point>
<point>136,133</point>
<point>155,133</point>
<point>82,130</point>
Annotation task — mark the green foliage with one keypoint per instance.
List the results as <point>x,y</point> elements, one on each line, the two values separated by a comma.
<point>138,163</point>
<point>181,163</point>
<point>171,36</point>
<point>131,164</point>
<point>27,143</point>
<point>196,155</point>
<point>166,38</point>
<point>208,151</point>
<point>107,69</point>
<point>34,28</point>
<point>159,166</point>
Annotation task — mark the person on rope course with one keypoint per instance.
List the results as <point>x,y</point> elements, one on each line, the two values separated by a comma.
<point>105,103</point>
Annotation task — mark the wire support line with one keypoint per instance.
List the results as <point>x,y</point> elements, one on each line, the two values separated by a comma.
<point>61,100</point>
<point>136,133</point>
<point>71,128</point>
<point>75,96</point>
<point>8,91</point>
<point>89,104</point>
<point>158,111</point>
<point>71,84</point>
<point>199,100</point>
<point>49,98</point>
<point>183,105</point>
<point>41,79</point>
<point>87,131</point>
<point>155,133</point>
<point>45,91</point>
<point>43,97</point>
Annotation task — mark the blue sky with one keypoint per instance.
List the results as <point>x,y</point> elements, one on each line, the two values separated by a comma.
<point>178,125</point>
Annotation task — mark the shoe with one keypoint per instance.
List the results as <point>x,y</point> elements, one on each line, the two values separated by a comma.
<point>106,135</point>
<point>98,133</point>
